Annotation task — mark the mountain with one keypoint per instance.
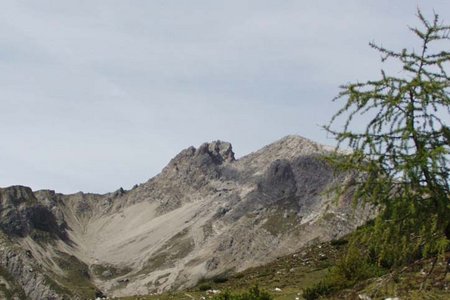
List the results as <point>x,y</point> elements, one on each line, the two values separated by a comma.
<point>204,215</point>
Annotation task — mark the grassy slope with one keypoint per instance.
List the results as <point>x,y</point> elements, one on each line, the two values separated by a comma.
<point>290,274</point>
<point>414,282</point>
<point>76,279</point>
<point>294,272</point>
<point>9,288</point>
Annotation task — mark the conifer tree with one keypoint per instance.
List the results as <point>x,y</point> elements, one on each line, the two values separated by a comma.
<point>402,155</point>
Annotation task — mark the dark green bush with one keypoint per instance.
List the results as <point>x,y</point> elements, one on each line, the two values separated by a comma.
<point>355,266</point>
<point>204,286</point>
<point>320,289</point>
<point>337,243</point>
<point>253,294</point>
<point>220,278</point>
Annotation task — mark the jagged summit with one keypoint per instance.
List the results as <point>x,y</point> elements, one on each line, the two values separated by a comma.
<point>216,152</point>
<point>219,151</point>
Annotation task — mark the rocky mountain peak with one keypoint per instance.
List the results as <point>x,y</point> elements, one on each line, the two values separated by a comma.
<point>299,144</point>
<point>219,151</point>
<point>207,155</point>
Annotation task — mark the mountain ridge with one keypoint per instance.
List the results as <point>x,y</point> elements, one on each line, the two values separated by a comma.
<point>206,213</point>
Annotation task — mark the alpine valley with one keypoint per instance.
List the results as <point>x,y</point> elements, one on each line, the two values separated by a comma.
<point>204,215</point>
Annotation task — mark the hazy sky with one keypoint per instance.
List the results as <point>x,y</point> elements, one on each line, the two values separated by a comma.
<point>95,95</point>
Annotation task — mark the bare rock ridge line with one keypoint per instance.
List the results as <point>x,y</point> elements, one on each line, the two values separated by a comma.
<point>206,214</point>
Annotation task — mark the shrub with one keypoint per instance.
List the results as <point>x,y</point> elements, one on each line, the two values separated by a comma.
<point>337,243</point>
<point>355,266</point>
<point>204,286</point>
<point>320,289</point>
<point>220,279</point>
<point>253,294</point>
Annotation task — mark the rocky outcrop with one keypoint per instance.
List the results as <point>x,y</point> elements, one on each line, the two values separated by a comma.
<point>21,214</point>
<point>20,265</point>
<point>15,204</point>
<point>206,213</point>
<point>279,180</point>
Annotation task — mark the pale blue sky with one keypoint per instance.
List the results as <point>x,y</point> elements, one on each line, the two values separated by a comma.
<point>95,95</point>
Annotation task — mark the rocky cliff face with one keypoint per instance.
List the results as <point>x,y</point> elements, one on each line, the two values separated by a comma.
<point>205,214</point>
<point>21,214</point>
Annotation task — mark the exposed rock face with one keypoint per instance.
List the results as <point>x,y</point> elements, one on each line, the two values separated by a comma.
<point>219,151</point>
<point>205,214</point>
<point>15,204</point>
<point>25,272</point>
<point>21,213</point>
<point>279,180</point>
